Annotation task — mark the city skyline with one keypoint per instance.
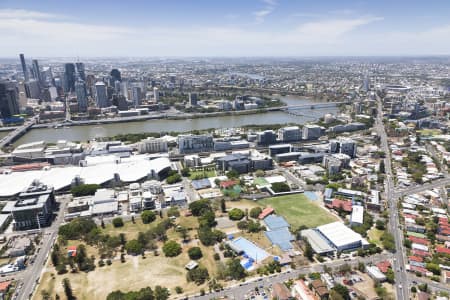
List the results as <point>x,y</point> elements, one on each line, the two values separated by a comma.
<point>232,28</point>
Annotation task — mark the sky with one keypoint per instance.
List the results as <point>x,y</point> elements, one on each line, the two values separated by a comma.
<point>235,28</point>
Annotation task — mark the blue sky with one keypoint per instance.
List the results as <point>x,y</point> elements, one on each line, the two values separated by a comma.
<point>224,28</point>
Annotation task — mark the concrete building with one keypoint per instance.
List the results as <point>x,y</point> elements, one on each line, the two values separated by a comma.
<point>32,89</point>
<point>341,237</point>
<point>289,134</point>
<point>266,137</point>
<point>311,132</point>
<point>34,208</point>
<point>152,145</point>
<point>156,94</point>
<point>80,90</point>
<point>279,149</point>
<point>345,146</point>
<point>136,96</point>
<point>24,67</point>
<point>189,143</point>
<point>193,99</point>
<point>101,98</point>
<point>9,102</point>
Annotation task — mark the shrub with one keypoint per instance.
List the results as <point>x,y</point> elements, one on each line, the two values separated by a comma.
<point>255,211</point>
<point>117,222</point>
<point>236,214</point>
<point>195,253</point>
<point>171,249</point>
<point>133,247</point>
<point>148,216</point>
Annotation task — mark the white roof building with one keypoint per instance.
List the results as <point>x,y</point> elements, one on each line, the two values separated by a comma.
<point>357,217</point>
<point>341,237</point>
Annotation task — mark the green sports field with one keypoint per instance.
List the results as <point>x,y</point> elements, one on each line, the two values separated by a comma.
<point>299,210</point>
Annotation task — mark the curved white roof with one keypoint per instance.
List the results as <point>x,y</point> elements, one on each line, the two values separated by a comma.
<point>99,170</point>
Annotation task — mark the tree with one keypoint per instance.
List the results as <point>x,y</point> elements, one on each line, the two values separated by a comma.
<point>76,229</point>
<point>232,174</point>
<point>382,168</point>
<point>148,216</point>
<point>335,295</point>
<point>199,207</point>
<point>280,187</point>
<point>236,214</point>
<point>259,173</point>
<point>342,290</point>
<point>185,172</point>
<point>178,289</point>
<point>388,241</point>
<point>173,178</point>
<point>308,251</point>
<point>255,212</point>
<point>68,289</point>
<point>133,247</point>
<point>84,190</point>
<point>390,276</point>
<point>223,206</point>
<point>171,249</point>
<point>183,233</point>
<point>242,225</point>
<point>380,225</point>
<point>161,293</point>
<point>208,219</point>
<point>198,275</point>
<point>117,222</point>
<point>173,212</point>
<point>195,253</point>
<point>235,270</point>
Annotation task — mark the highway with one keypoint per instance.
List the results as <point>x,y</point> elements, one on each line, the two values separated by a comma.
<point>238,290</point>
<point>32,274</point>
<point>401,276</point>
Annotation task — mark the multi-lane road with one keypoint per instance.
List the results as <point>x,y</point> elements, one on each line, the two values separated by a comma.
<point>401,277</point>
<point>30,277</point>
<point>239,290</point>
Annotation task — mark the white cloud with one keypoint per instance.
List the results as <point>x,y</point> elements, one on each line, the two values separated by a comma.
<point>33,33</point>
<point>264,12</point>
<point>26,14</point>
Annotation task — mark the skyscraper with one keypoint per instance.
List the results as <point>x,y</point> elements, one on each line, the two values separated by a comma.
<point>115,74</point>
<point>37,72</point>
<point>80,90</point>
<point>156,94</point>
<point>24,67</point>
<point>193,99</point>
<point>32,89</point>
<point>81,74</point>
<point>100,95</point>
<point>136,96</point>
<point>69,77</point>
<point>9,104</point>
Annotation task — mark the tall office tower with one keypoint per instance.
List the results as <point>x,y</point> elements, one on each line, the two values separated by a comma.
<point>124,89</point>
<point>9,104</point>
<point>101,98</point>
<point>47,76</point>
<point>32,89</point>
<point>69,77</point>
<point>115,74</point>
<point>24,67</point>
<point>37,72</point>
<point>80,90</point>
<point>117,87</point>
<point>81,74</point>
<point>136,96</point>
<point>193,99</point>
<point>156,94</point>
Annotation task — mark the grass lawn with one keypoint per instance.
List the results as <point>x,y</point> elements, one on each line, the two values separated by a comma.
<point>298,210</point>
<point>374,236</point>
<point>204,174</point>
<point>134,274</point>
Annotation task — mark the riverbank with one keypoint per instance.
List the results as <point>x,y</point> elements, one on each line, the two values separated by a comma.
<point>182,125</point>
